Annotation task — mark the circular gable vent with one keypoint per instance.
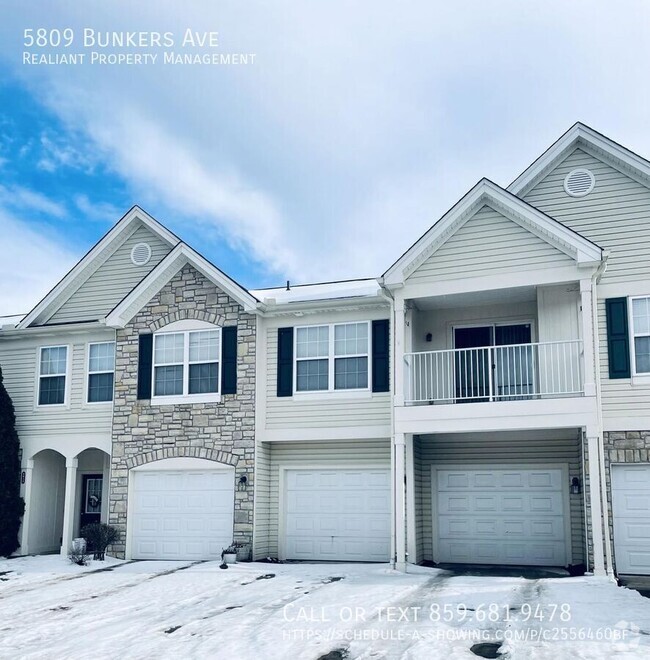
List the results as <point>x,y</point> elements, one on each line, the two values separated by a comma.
<point>140,254</point>
<point>579,183</point>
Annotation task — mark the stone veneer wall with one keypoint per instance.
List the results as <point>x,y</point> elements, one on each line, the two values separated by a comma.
<point>223,432</point>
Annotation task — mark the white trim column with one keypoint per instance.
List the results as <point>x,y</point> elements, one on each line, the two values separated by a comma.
<point>106,476</point>
<point>26,494</point>
<point>400,505</point>
<point>71,465</point>
<point>399,328</point>
<point>588,337</point>
<point>411,540</point>
<point>595,486</point>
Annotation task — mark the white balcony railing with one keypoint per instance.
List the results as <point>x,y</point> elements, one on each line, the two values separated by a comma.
<point>495,373</point>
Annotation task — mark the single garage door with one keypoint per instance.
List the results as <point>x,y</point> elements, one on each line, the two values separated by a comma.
<point>492,516</point>
<point>338,514</point>
<point>182,514</point>
<point>631,512</point>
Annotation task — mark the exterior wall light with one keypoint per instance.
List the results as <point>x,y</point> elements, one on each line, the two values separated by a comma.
<point>576,488</point>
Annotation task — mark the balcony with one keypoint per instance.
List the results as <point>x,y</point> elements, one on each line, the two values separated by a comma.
<point>513,372</point>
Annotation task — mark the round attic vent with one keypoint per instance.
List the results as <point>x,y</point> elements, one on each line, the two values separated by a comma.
<point>140,254</point>
<point>579,183</point>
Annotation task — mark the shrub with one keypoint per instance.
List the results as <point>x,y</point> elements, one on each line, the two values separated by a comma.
<point>78,556</point>
<point>98,537</point>
<point>12,506</point>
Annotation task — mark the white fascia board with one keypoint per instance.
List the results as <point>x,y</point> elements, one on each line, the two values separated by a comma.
<point>488,193</point>
<point>93,260</point>
<point>578,135</point>
<point>182,254</point>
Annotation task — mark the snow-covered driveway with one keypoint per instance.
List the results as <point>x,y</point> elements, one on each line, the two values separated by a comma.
<point>51,609</point>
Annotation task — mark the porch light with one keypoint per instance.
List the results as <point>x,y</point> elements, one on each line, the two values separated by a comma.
<point>575,486</point>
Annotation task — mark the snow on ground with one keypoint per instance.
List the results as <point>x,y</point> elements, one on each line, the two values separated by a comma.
<point>52,609</point>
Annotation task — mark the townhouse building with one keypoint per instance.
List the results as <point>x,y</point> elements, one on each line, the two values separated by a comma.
<point>484,401</point>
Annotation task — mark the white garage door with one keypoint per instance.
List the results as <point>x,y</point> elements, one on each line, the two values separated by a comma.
<point>182,514</point>
<point>631,509</point>
<point>492,516</point>
<point>338,515</point>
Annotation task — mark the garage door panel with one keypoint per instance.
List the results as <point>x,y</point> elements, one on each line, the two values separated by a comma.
<point>513,516</point>
<point>338,515</point>
<point>631,514</point>
<point>182,514</point>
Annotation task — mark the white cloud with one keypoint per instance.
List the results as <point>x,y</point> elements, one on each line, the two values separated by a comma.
<point>32,261</point>
<point>19,197</point>
<point>97,211</point>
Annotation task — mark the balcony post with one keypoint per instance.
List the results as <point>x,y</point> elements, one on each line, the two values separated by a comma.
<point>595,485</point>
<point>399,440</point>
<point>411,541</point>
<point>588,338</point>
<point>399,325</point>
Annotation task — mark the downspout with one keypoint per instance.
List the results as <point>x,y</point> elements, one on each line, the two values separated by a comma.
<point>609,566</point>
<point>385,292</point>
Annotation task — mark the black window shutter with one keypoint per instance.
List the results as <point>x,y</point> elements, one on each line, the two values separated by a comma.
<point>285,361</point>
<point>380,356</point>
<point>229,360</point>
<point>145,353</point>
<point>618,341</point>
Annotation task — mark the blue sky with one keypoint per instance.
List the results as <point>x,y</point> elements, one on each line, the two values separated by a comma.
<point>358,126</point>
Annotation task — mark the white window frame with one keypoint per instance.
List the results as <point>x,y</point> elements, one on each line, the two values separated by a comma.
<point>66,375</point>
<point>644,376</point>
<point>185,397</point>
<point>90,373</point>
<point>331,357</point>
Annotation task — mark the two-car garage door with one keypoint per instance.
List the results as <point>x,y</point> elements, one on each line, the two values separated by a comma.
<point>500,516</point>
<point>337,514</point>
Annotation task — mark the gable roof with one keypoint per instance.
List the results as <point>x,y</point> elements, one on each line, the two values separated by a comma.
<point>595,143</point>
<point>487,193</point>
<point>93,259</point>
<point>181,255</point>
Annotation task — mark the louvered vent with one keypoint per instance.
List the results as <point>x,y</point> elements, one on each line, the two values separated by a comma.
<point>579,183</point>
<point>140,254</point>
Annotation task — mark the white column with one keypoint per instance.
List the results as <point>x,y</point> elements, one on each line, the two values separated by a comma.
<point>400,511</point>
<point>27,496</point>
<point>400,343</point>
<point>588,337</point>
<point>411,540</point>
<point>69,504</point>
<point>594,498</point>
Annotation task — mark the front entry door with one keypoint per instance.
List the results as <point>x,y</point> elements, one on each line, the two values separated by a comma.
<point>91,499</point>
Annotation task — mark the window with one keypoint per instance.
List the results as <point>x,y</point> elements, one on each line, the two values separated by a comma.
<point>186,363</point>
<point>53,365</point>
<point>332,357</point>
<point>641,334</point>
<point>101,371</point>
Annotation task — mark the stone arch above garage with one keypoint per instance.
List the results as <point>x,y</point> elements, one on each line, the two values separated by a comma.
<point>181,452</point>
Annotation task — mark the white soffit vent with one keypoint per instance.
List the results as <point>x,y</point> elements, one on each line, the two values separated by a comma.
<point>579,183</point>
<point>140,254</point>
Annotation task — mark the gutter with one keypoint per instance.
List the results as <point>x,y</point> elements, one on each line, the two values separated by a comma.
<point>609,564</point>
<point>388,296</point>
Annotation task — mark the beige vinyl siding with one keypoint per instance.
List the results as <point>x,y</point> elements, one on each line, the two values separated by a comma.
<point>19,360</point>
<point>615,214</point>
<point>262,512</point>
<point>497,450</point>
<point>319,410</point>
<point>367,453</point>
<point>486,244</point>
<point>112,281</point>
